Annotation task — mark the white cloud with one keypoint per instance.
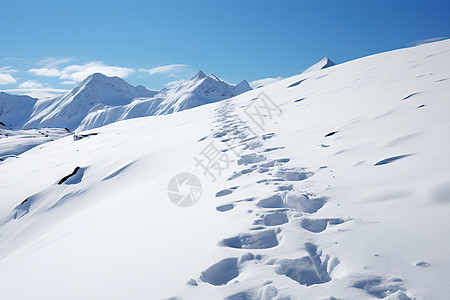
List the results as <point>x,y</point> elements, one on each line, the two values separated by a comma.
<point>45,72</point>
<point>174,83</point>
<point>6,77</point>
<point>426,41</point>
<point>68,83</point>
<point>52,62</point>
<point>77,73</point>
<point>31,84</point>
<point>168,70</point>
<point>9,58</point>
<point>37,93</point>
<point>263,82</point>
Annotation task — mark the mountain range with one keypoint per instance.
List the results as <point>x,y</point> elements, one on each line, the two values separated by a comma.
<point>101,100</point>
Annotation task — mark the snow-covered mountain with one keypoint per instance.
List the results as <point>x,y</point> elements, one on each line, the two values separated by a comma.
<point>332,184</point>
<point>322,64</point>
<point>96,91</point>
<point>101,100</point>
<point>199,90</point>
<point>15,110</point>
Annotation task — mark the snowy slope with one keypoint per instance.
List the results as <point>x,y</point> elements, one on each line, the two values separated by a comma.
<point>199,90</point>
<point>15,110</point>
<point>338,190</point>
<point>16,142</point>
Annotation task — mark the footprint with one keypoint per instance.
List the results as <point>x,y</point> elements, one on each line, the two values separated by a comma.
<point>272,149</point>
<point>275,218</point>
<point>268,136</point>
<point>243,295</point>
<point>251,159</point>
<point>391,159</point>
<point>226,191</point>
<point>266,181</point>
<point>274,201</point>
<point>380,288</point>
<point>220,134</point>
<point>240,173</point>
<point>260,240</point>
<point>298,100</point>
<point>308,270</point>
<point>221,272</point>
<point>225,207</point>
<point>319,225</point>
<point>422,264</point>
<point>287,187</point>
<point>275,162</point>
<point>266,292</point>
<point>303,202</point>
<point>292,175</point>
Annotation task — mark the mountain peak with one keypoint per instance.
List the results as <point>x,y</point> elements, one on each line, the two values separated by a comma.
<point>96,76</point>
<point>241,87</point>
<point>199,75</point>
<point>322,64</point>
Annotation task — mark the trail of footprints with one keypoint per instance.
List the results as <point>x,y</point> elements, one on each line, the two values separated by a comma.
<point>272,212</point>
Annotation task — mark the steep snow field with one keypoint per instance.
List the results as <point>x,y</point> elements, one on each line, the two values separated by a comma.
<point>338,188</point>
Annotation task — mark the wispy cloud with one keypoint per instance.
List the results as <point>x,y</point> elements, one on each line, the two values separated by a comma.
<point>6,77</point>
<point>426,41</point>
<point>36,93</point>
<point>31,84</point>
<point>174,83</point>
<point>168,70</point>
<point>265,81</point>
<point>9,58</point>
<point>69,82</point>
<point>77,73</point>
<point>52,62</point>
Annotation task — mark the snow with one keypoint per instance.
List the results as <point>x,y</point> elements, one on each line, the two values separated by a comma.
<point>16,142</point>
<point>97,90</point>
<point>322,64</point>
<point>100,100</point>
<point>342,195</point>
<point>15,110</point>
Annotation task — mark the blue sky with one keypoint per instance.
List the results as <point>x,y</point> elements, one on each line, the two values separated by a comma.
<point>49,46</point>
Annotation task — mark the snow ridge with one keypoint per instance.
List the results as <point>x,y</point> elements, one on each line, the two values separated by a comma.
<point>322,64</point>
<point>201,89</point>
